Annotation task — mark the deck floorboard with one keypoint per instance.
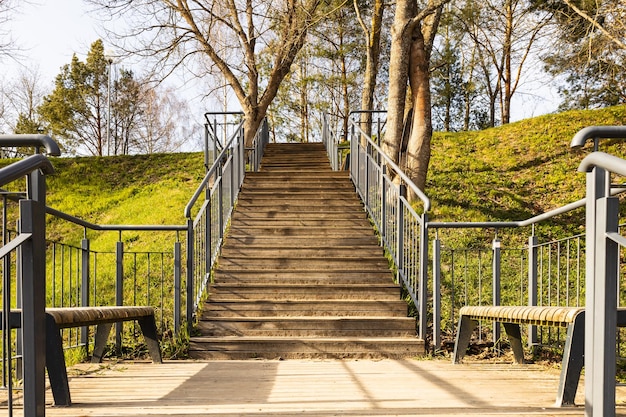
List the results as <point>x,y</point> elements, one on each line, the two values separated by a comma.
<point>315,388</point>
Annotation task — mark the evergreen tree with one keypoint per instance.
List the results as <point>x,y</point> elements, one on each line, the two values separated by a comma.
<point>76,110</point>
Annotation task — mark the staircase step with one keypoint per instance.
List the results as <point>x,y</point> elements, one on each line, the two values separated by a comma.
<point>296,252</point>
<point>261,263</point>
<point>309,327</point>
<point>292,291</point>
<point>265,215</point>
<point>299,241</point>
<point>339,231</point>
<point>309,348</point>
<point>320,277</point>
<point>311,308</point>
<point>328,223</point>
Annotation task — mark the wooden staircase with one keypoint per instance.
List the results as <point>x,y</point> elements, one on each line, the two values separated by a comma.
<point>301,274</point>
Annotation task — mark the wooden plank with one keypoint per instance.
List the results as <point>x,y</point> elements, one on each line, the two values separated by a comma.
<point>315,388</point>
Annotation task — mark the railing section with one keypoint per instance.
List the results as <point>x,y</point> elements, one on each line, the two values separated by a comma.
<point>208,218</point>
<point>400,226</point>
<point>23,334</point>
<point>170,279</point>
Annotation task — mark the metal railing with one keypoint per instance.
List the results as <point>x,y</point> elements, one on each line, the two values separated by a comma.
<point>78,275</point>
<point>207,222</point>
<point>602,269</point>
<point>23,277</point>
<point>401,228</point>
<point>513,270</point>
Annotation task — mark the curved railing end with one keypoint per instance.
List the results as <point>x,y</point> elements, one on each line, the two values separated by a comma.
<point>597,132</point>
<point>45,141</point>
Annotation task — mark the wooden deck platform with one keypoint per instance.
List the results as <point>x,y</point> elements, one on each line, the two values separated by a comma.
<point>315,388</point>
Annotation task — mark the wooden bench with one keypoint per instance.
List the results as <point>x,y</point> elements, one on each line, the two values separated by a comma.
<point>103,318</point>
<point>511,317</point>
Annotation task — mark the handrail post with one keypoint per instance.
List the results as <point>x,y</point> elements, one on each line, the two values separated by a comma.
<point>33,263</point>
<point>367,175</point>
<point>206,148</point>
<point>400,236</point>
<point>496,271</point>
<point>177,287</point>
<point>190,276</point>
<point>119,288</point>
<point>437,293</point>
<point>596,186</point>
<point>597,397</point>
<point>220,199</point>
<point>533,241</point>
<point>602,332</point>
<point>84,290</point>
<point>383,204</point>
<point>423,281</point>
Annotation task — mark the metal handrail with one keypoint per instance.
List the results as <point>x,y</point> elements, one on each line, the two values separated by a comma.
<point>520,223</point>
<point>603,160</point>
<point>113,227</point>
<point>396,169</point>
<point>210,173</point>
<point>596,133</point>
<point>24,167</point>
<point>37,141</point>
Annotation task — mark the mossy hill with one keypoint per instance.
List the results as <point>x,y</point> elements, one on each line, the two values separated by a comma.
<point>510,172</point>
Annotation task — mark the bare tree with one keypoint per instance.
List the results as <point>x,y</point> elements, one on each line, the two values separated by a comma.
<point>21,99</point>
<point>614,27</point>
<point>159,128</point>
<point>8,45</point>
<point>505,33</point>
<point>236,37</point>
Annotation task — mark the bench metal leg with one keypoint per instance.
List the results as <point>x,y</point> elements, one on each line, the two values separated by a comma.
<point>463,335</point>
<point>149,330</point>
<point>102,335</point>
<point>573,362</point>
<point>515,338</point>
<point>55,363</point>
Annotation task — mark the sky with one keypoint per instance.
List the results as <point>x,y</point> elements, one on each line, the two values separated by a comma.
<point>50,31</point>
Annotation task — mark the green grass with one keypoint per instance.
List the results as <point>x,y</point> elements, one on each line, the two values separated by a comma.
<point>138,190</point>
<point>515,171</point>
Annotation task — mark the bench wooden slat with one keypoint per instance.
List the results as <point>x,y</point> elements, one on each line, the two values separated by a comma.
<point>540,316</point>
<point>86,316</point>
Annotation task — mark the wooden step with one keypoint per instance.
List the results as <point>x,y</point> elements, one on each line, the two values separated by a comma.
<point>261,263</point>
<point>309,326</point>
<point>297,291</point>
<point>311,308</point>
<point>214,348</point>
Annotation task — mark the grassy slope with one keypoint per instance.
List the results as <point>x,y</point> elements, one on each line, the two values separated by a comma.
<point>515,171</point>
<point>507,173</point>
<point>122,190</point>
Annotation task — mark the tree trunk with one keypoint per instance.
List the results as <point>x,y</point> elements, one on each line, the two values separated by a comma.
<point>418,149</point>
<point>401,34</point>
<point>507,73</point>
<point>371,64</point>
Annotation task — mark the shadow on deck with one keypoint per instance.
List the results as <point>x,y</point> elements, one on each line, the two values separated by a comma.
<point>315,388</point>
